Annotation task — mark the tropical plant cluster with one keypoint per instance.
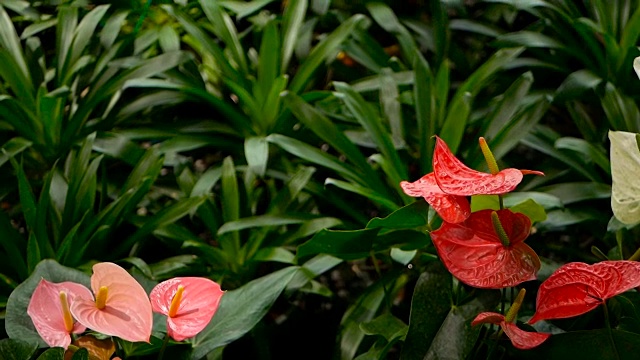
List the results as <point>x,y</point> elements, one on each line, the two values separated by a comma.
<point>313,179</point>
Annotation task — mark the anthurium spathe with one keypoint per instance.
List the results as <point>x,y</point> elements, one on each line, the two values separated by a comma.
<point>576,288</point>
<point>50,313</point>
<point>519,338</point>
<point>446,188</point>
<point>451,208</point>
<point>121,307</point>
<point>188,302</point>
<point>455,178</point>
<point>487,250</point>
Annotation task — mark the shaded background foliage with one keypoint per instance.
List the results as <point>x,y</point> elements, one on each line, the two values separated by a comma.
<point>224,138</point>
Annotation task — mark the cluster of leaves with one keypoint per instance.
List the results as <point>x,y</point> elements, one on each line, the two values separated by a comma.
<point>225,138</point>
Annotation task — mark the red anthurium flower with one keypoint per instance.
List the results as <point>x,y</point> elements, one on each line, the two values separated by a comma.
<point>519,338</point>
<point>576,288</point>
<point>121,307</point>
<point>487,250</point>
<point>49,311</point>
<point>455,178</point>
<point>451,208</point>
<point>188,302</point>
<point>451,181</point>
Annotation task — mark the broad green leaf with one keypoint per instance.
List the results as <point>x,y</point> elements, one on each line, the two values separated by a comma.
<point>166,216</point>
<point>277,254</point>
<point>240,310</point>
<point>410,216</point>
<point>347,245</point>
<point>82,354</point>
<point>589,151</point>
<point>259,221</point>
<point>12,148</point>
<point>625,170</point>
<point>365,192</point>
<point>326,49</point>
<point>430,305</point>
<point>456,337</point>
<point>292,20</point>
<point>386,325</point>
<point>532,209</point>
<point>56,353</point>
<point>403,257</point>
<point>572,192</point>
<point>15,349</point>
<point>18,323</point>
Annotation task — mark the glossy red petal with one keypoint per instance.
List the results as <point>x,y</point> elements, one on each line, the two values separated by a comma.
<point>451,208</point>
<point>199,302</point>
<point>478,258</point>
<point>127,313</point>
<point>516,225</point>
<point>488,318</point>
<point>573,289</point>
<point>521,339</point>
<point>620,276</point>
<point>46,313</point>
<point>455,178</point>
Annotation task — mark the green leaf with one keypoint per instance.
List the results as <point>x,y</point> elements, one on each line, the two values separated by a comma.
<point>166,216</point>
<point>346,245</point>
<point>430,306</point>
<point>82,354</point>
<point>572,192</point>
<point>14,349</point>
<point>18,323</point>
<point>385,325</point>
<point>292,19</point>
<point>240,310</point>
<point>259,221</point>
<point>456,337</point>
<point>410,216</point>
<point>224,28</point>
<point>403,257</point>
<point>590,152</point>
<point>326,49</point>
<point>532,209</point>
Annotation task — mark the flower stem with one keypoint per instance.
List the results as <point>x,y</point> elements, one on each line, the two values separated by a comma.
<point>164,346</point>
<point>608,325</point>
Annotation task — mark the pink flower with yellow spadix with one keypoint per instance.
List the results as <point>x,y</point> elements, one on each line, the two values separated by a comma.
<point>188,302</point>
<point>50,313</point>
<point>121,307</point>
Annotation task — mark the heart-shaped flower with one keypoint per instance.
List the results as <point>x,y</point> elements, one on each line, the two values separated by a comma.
<point>121,307</point>
<point>576,288</point>
<point>188,302</point>
<point>446,188</point>
<point>479,255</point>
<point>49,311</point>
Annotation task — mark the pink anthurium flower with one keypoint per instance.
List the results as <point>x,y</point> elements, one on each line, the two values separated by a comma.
<point>188,302</point>
<point>577,288</point>
<point>487,250</point>
<point>49,311</point>
<point>520,339</point>
<point>446,188</point>
<point>121,307</point>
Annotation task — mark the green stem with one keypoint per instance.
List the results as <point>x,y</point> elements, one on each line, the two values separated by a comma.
<point>164,346</point>
<point>501,201</point>
<point>502,300</point>
<point>608,325</point>
<point>635,256</point>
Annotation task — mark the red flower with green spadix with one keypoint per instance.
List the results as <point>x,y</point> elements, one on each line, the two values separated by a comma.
<point>446,188</point>
<point>520,339</point>
<point>577,288</point>
<point>487,250</point>
<point>121,307</point>
<point>188,302</point>
<point>455,178</point>
<point>50,313</point>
